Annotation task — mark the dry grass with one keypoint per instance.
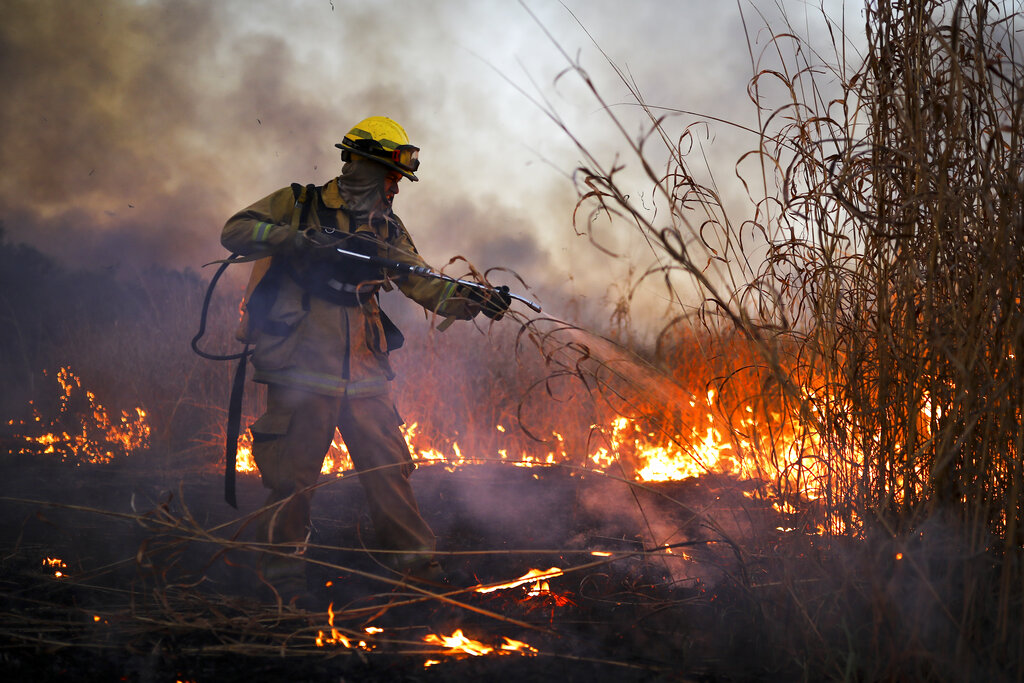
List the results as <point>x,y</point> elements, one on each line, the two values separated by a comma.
<point>870,293</point>
<point>877,281</point>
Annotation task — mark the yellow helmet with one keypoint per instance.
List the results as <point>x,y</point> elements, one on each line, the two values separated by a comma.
<point>383,140</point>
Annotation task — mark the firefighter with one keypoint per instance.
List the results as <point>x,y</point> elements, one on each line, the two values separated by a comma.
<point>321,346</point>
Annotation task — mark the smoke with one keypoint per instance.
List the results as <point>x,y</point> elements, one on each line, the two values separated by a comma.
<point>132,129</point>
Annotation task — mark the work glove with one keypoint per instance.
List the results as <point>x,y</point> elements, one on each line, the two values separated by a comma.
<point>312,241</point>
<point>493,302</point>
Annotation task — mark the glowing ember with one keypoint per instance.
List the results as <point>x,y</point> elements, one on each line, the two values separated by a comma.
<point>83,430</point>
<point>534,576</point>
<point>336,637</point>
<point>459,644</point>
<point>57,565</point>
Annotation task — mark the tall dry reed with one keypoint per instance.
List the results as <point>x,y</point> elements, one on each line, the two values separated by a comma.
<point>877,273</point>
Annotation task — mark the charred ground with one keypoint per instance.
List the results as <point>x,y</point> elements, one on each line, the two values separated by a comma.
<point>156,583</point>
<point>156,571</point>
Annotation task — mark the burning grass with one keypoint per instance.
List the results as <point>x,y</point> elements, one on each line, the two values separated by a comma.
<point>874,276</point>
<point>82,430</point>
<point>182,594</point>
<point>814,474</point>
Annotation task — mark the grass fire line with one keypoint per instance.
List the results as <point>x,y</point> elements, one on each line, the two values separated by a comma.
<point>658,456</point>
<point>710,446</point>
<point>851,305</point>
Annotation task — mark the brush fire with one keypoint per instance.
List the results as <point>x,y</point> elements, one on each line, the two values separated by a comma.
<point>771,450</point>
<point>82,430</point>
<point>457,645</point>
<point>640,449</point>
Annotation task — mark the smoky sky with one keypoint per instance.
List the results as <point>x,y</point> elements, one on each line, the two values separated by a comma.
<point>132,129</point>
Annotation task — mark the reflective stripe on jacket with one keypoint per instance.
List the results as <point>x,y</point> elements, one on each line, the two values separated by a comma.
<point>309,342</point>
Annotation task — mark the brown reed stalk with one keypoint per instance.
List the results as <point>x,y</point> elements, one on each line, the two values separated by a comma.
<point>878,277</point>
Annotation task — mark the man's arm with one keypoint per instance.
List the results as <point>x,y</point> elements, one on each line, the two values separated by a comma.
<point>261,227</point>
<point>446,299</point>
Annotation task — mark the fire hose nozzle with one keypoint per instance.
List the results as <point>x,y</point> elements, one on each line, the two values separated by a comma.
<point>427,272</point>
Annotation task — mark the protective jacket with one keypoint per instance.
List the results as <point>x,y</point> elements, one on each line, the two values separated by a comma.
<point>321,328</point>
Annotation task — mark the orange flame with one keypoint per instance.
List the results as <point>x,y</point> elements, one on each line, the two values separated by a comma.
<point>459,644</point>
<point>534,576</point>
<point>84,431</point>
<point>336,637</point>
<point>766,449</point>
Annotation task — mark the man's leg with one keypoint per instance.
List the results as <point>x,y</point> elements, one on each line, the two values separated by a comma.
<point>289,444</point>
<point>381,457</point>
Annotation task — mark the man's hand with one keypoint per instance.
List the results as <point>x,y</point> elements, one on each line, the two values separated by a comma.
<point>493,302</point>
<point>311,240</point>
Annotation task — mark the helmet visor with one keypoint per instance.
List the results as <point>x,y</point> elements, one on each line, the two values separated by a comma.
<point>407,157</point>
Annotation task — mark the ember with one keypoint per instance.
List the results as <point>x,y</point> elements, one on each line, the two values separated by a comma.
<point>83,431</point>
<point>58,565</point>
<point>336,637</point>
<point>459,644</point>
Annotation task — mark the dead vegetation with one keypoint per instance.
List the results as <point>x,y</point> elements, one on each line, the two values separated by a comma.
<point>877,277</point>
<point>865,306</point>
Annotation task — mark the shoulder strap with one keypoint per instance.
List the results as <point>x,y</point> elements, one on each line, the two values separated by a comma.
<point>304,198</point>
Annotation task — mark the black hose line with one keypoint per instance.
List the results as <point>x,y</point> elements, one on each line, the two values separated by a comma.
<point>202,319</point>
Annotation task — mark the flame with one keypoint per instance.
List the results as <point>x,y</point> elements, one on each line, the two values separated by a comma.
<point>336,461</point>
<point>511,645</point>
<point>83,430</point>
<point>336,637</point>
<point>534,576</point>
<point>459,644</point>
<point>57,564</point>
<point>539,588</point>
<point>766,449</point>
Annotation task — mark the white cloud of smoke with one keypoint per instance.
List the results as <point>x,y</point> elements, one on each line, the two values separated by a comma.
<point>133,128</point>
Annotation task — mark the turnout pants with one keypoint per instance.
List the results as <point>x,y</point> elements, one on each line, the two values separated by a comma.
<point>289,444</point>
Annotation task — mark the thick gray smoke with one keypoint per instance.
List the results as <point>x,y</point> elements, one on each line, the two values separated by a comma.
<point>133,128</point>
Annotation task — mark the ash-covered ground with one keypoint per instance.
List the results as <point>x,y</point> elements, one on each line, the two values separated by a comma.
<point>157,583</point>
